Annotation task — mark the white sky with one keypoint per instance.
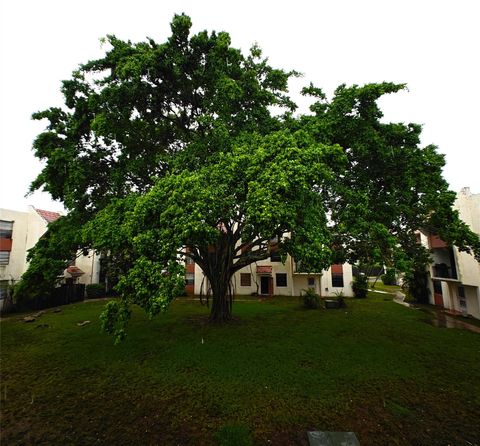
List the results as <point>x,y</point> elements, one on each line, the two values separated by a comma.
<point>433,46</point>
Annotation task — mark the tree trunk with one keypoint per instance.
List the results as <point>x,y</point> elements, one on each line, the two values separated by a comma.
<point>221,311</point>
<point>219,270</point>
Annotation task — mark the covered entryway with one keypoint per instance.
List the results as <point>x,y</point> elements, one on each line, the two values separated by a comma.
<point>266,285</point>
<point>266,280</point>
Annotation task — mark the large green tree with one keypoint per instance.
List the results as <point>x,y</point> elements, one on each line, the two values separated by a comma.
<point>266,193</point>
<point>141,111</point>
<point>172,150</point>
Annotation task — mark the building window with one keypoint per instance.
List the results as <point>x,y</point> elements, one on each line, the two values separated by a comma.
<point>189,278</point>
<point>189,261</point>
<point>245,279</point>
<point>311,282</point>
<point>281,279</point>
<point>275,256</point>
<point>6,228</point>
<point>337,280</point>
<point>337,275</point>
<point>4,257</point>
<point>461,292</point>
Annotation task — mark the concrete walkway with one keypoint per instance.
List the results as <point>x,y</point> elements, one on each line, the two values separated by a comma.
<point>440,317</point>
<point>400,299</point>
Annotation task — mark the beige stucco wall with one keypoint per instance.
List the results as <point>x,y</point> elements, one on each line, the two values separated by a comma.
<point>451,298</point>
<point>329,290</point>
<point>468,206</point>
<point>28,227</point>
<point>90,265</point>
<point>472,295</point>
<point>468,269</point>
<point>18,254</point>
<point>300,283</point>
<point>37,226</point>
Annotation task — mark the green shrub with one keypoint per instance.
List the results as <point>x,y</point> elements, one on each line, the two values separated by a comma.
<point>340,298</point>
<point>360,286</point>
<point>416,284</point>
<point>95,290</point>
<point>311,300</point>
<point>389,277</point>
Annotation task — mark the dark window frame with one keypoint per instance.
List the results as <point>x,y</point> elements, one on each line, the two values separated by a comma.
<point>244,281</point>
<point>337,280</point>
<point>275,256</point>
<point>190,279</point>
<point>281,280</point>
<point>4,257</point>
<point>6,233</point>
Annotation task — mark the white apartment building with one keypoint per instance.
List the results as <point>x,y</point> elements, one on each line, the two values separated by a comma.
<point>19,232</point>
<point>455,275</point>
<point>271,277</point>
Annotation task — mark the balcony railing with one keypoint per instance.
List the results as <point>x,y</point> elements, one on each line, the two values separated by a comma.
<point>444,271</point>
<point>298,268</point>
<point>444,266</point>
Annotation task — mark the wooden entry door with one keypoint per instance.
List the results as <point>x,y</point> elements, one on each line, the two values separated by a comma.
<point>437,293</point>
<point>264,285</point>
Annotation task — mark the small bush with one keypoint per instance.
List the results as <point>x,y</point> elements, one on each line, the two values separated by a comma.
<point>311,300</point>
<point>416,284</point>
<point>340,298</point>
<point>389,277</point>
<point>360,286</point>
<point>95,290</point>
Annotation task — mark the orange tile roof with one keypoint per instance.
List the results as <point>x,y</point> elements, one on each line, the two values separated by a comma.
<point>49,216</point>
<point>74,271</point>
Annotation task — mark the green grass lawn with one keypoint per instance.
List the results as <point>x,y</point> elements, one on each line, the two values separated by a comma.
<point>375,368</point>
<point>379,286</point>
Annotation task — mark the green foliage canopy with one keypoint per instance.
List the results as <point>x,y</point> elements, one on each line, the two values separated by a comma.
<point>392,187</point>
<point>132,113</point>
<point>171,150</point>
<point>224,216</point>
